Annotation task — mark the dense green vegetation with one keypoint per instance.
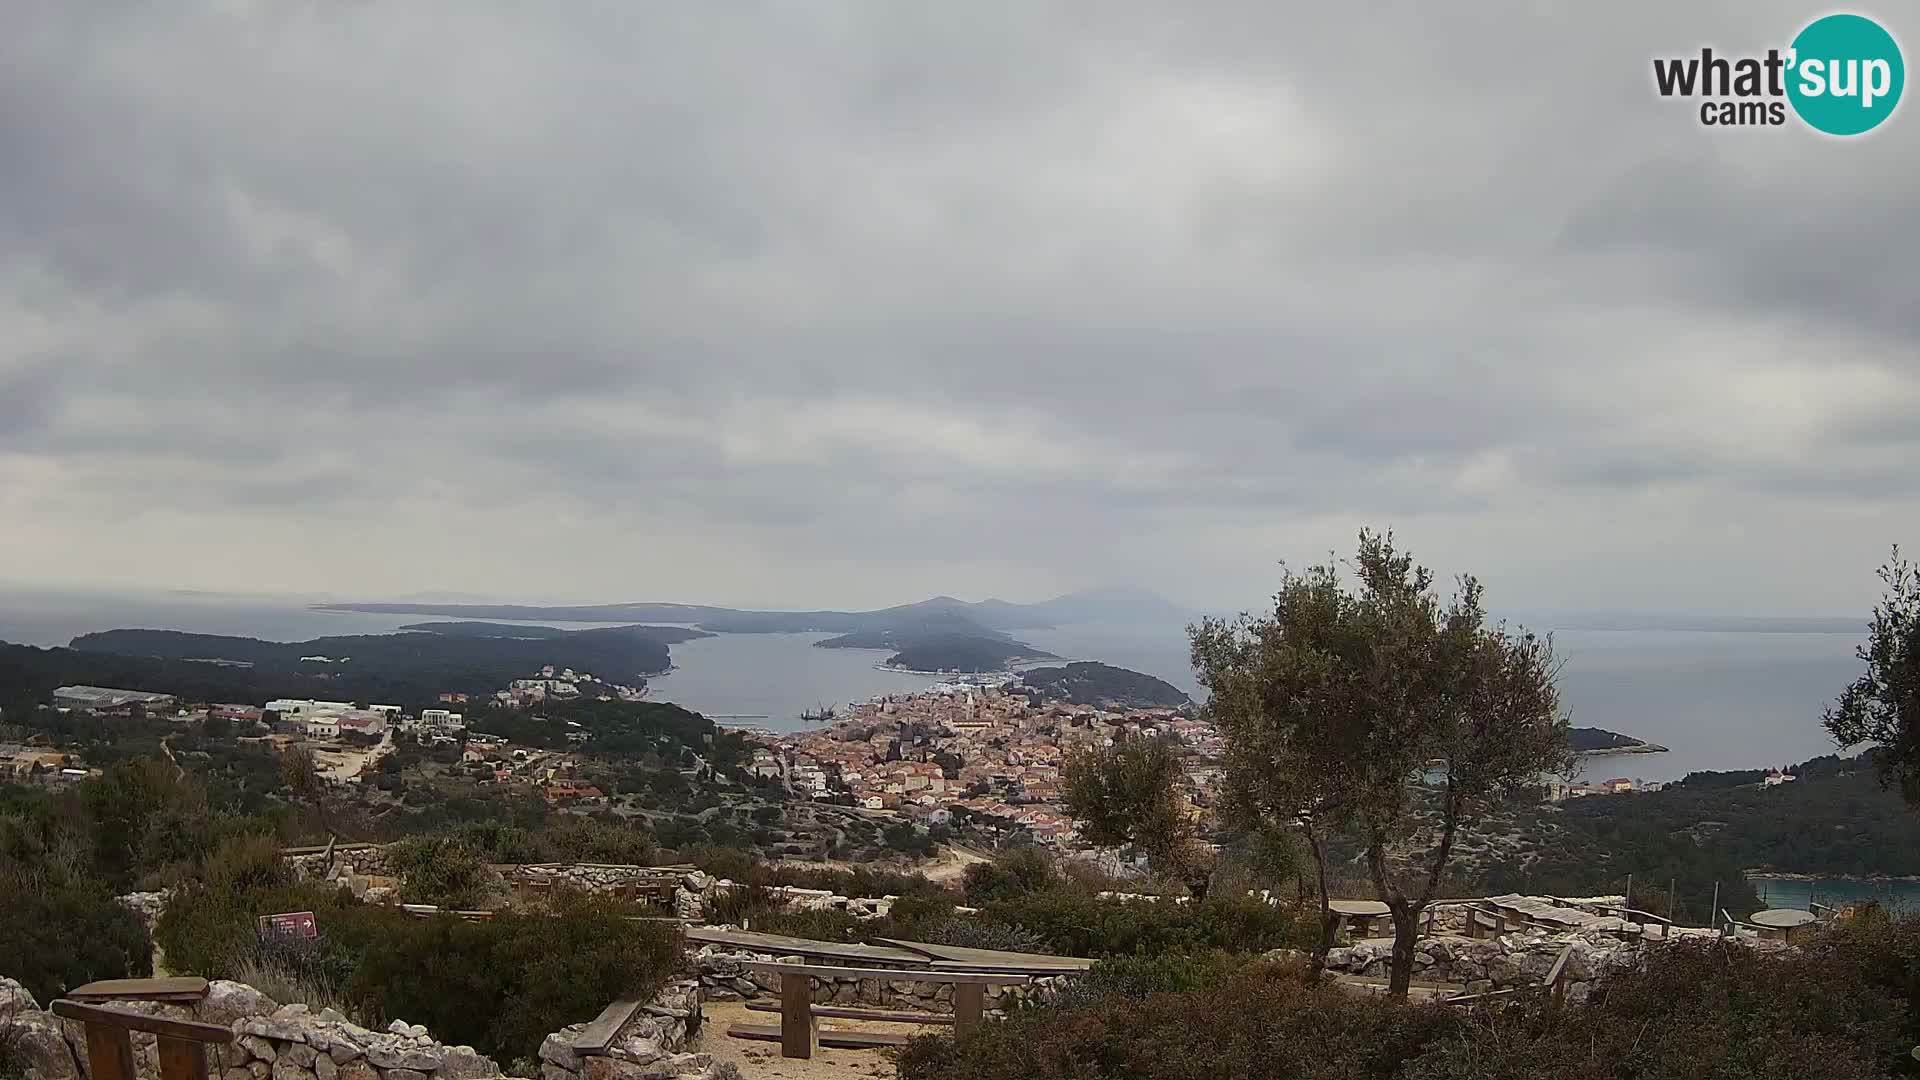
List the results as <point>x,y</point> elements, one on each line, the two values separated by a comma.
<point>1084,682</point>
<point>619,729</point>
<point>498,984</point>
<point>960,652</point>
<point>410,669</point>
<point>1844,1009</point>
<point>1588,739</point>
<point>1835,820</point>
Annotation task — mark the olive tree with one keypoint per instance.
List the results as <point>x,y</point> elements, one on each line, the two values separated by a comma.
<point>1882,707</point>
<point>1366,705</point>
<point>1127,796</point>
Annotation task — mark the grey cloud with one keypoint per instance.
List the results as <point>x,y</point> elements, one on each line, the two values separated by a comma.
<point>1033,294</point>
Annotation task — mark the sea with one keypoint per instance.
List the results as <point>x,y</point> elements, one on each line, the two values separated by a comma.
<point>1715,699</point>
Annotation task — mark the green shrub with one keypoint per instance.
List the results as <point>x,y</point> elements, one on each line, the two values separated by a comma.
<point>973,932</point>
<point>502,984</point>
<point>1264,1023</point>
<point>1075,923</point>
<point>439,870</point>
<point>56,935</point>
<point>1016,873</point>
<point>1143,976</point>
<point>1839,1009</point>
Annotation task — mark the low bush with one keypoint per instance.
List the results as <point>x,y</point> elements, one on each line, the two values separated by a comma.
<point>1143,976</point>
<point>1840,1009</point>
<point>502,984</point>
<point>1016,873</point>
<point>1071,922</point>
<point>439,870</point>
<point>59,934</point>
<point>1280,1027</point>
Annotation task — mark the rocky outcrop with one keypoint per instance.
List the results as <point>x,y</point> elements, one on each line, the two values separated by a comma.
<point>147,905</point>
<point>34,1039</point>
<point>650,1046</point>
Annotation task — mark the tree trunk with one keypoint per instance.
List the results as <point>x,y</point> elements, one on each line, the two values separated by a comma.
<point>1406,934</point>
<point>1329,922</point>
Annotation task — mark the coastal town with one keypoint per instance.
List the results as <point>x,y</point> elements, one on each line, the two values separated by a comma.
<point>985,753</point>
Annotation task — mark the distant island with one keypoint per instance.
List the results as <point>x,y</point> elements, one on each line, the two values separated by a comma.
<point>968,654</point>
<point>1592,740</point>
<point>1087,682</point>
<point>666,635</point>
<point>410,668</point>
<point>1095,605</point>
<point>937,640</point>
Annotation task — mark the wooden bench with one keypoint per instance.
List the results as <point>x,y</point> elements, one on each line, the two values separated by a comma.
<point>182,1044</point>
<point>183,989</point>
<point>799,1031</point>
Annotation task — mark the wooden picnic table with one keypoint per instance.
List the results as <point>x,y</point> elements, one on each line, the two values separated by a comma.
<point>799,1031</point>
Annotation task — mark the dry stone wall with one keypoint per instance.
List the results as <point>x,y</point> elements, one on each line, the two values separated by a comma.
<point>271,1042</point>
<point>650,1046</point>
<point>1500,963</point>
<point>724,976</point>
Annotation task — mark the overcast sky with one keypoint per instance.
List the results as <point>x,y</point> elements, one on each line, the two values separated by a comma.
<point>846,304</point>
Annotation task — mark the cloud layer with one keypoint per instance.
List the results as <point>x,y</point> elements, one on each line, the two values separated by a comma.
<point>787,303</point>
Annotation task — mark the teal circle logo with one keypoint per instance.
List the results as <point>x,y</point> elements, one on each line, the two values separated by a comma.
<point>1845,74</point>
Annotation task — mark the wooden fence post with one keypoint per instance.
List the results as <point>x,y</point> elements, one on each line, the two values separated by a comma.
<point>798,1028</point>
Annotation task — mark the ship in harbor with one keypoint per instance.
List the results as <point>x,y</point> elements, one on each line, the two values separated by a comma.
<point>821,714</point>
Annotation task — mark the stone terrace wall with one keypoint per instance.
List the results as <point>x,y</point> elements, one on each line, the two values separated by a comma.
<point>1499,963</point>
<point>724,976</point>
<point>649,1046</point>
<point>273,1042</point>
<point>367,859</point>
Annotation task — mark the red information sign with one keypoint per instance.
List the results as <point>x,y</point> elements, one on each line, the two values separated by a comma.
<point>298,924</point>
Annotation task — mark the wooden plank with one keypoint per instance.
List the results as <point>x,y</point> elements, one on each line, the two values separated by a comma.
<point>797,1025</point>
<point>957,978</point>
<point>953,957</point>
<point>181,1059</point>
<point>782,945</point>
<point>92,1015</point>
<point>1559,965</point>
<point>598,1035</point>
<point>838,1040</point>
<point>1037,972</point>
<point>969,1005</point>
<point>176,989</point>
<point>109,1051</point>
<point>844,1012</point>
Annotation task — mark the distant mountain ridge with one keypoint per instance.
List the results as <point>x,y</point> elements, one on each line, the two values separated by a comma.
<point>1091,605</point>
<point>942,633</point>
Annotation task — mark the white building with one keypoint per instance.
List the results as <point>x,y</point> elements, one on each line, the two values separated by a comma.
<point>323,726</point>
<point>289,708</point>
<point>440,721</point>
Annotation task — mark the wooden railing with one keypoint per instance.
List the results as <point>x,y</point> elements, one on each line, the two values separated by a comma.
<point>182,1044</point>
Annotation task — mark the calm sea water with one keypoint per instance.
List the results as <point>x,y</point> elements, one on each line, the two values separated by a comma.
<point>1899,895</point>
